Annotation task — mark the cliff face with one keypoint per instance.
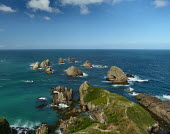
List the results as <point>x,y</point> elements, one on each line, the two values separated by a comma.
<point>109,113</point>
<point>4,126</point>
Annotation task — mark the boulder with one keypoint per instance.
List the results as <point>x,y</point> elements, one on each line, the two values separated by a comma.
<point>43,129</point>
<point>158,107</point>
<point>116,76</point>
<point>71,60</point>
<point>73,72</point>
<point>61,95</point>
<point>45,64</point>
<point>4,126</point>
<point>60,61</point>
<point>35,65</point>
<point>87,64</point>
<point>49,71</point>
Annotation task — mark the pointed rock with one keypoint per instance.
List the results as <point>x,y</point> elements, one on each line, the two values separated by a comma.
<point>60,61</point>
<point>49,71</point>
<point>35,65</point>
<point>87,64</point>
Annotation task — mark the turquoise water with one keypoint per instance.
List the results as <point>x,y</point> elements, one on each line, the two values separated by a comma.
<point>18,100</point>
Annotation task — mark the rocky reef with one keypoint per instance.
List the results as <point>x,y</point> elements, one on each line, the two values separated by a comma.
<point>73,72</point>
<point>108,113</point>
<point>43,129</point>
<point>158,107</point>
<point>87,64</point>
<point>35,65</point>
<point>71,60</point>
<point>61,95</point>
<point>116,76</point>
<point>45,64</point>
<point>60,61</point>
<point>49,71</point>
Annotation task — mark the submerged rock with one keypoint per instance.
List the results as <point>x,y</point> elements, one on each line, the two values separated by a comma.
<point>116,76</point>
<point>61,95</point>
<point>87,64</point>
<point>35,65</point>
<point>49,71</point>
<point>156,106</point>
<point>71,60</point>
<point>73,72</point>
<point>45,64</point>
<point>43,129</point>
<point>4,126</point>
<point>109,113</point>
<point>130,75</point>
<point>60,61</point>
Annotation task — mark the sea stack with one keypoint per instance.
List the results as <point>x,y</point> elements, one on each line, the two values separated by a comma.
<point>43,129</point>
<point>71,60</point>
<point>60,61</point>
<point>73,72</point>
<point>49,71</point>
<point>116,76</point>
<point>45,64</point>
<point>87,64</point>
<point>35,65</point>
<point>61,95</point>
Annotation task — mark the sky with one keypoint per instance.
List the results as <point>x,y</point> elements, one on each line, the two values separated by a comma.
<point>84,24</point>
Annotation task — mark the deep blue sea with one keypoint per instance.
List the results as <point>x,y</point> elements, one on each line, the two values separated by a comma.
<point>18,99</point>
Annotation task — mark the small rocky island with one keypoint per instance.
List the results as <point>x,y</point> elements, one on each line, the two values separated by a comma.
<point>116,76</point>
<point>87,64</point>
<point>73,72</point>
<point>60,61</point>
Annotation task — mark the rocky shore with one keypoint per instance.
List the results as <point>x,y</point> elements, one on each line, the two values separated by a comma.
<point>156,106</point>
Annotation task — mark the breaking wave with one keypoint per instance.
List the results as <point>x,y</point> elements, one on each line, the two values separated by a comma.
<point>136,79</point>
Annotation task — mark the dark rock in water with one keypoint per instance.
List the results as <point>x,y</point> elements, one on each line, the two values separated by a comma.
<point>116,76</point>
<point>87,64</point>
<point>20,130</point>
<point>61,95</point>
<point>43,129</point>
<point>4,126</point>
<point>49,71</point>
<point>130,75</point>
<point>71,60</point>
<point>35,65</point>
<point>45,64</point>
<point>73,72</point>
<point>156,106</point>
<point>154,129</point>
<point>60,61</point>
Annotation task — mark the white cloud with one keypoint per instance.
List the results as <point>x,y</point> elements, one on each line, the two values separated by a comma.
<point>84,10</point>
<point>43,5</point>
<point>5,8</point>
<point>30,15</point>
<point>46,18</point>
<point>161,3</point>
<point>116,1</point>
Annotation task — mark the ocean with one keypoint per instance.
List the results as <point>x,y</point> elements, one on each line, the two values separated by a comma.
<point>18,98</point>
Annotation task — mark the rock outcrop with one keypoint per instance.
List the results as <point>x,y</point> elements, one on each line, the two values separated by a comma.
<point>4,126</point>
<point>108,113</point>
<point>35,65</point>
<point>60,61</point>
<point>61,95</point>
<point>158,107</point>
<point>71,60</point>
<point>116,76</point>
<point>87,64</point>
<point>43,129</point>
<point>45,64</point>
<point>73,72</point>
<point>49,71</point>
<point>130,75</point>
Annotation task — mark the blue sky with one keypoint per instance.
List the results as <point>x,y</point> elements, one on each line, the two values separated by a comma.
<point>84,24</point>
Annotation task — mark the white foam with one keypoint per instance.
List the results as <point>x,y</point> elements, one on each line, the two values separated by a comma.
<point>62,106</point>
<point>99,66</point>
<point>58,131</point>
<point>166,97</point>
<point>28,81</point>
<point>136,79</point>
<point>106,81</point>
<point>130,89</point>
<point>42,98</point>
<point>133,93</point>
<point>32,64</point>
<point>119,85</point>
<point>55,92</point>
<point>25,124</point>
<point>40,68</point>
<point>84,74</point>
